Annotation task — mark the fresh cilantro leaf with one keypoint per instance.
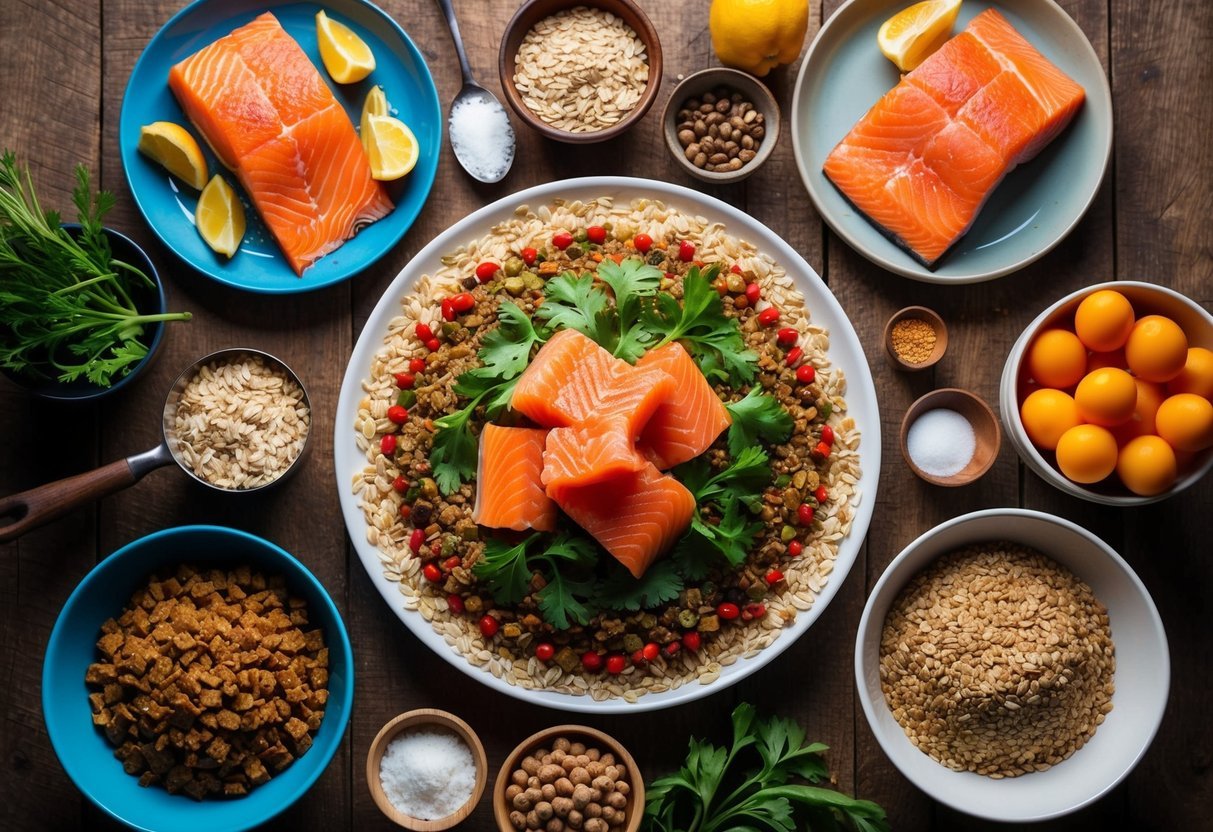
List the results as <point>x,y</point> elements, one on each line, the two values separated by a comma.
<point>453,454</point>
<point>620,591</point>
<point>504,569</point>
<point>559,604</point>
<point>744,480</point>
<point>734,492</point>
<point>571,302</point>
<point>632,281</point>
<point>692,557</point>
<point>506,350</point>
<point>733,537</point>
<point>712,337</point>
<point>757,416</point>
<point>577,551</point>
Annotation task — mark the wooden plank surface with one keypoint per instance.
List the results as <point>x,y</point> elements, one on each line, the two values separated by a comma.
<point>67,63</point>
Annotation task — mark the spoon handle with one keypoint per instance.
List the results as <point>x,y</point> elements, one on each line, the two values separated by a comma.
<point>453,24</point>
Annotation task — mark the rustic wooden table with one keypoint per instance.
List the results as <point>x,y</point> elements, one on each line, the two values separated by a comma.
<point>65,64</point>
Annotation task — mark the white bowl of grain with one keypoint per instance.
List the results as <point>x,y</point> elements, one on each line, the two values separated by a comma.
<point>943,668</point>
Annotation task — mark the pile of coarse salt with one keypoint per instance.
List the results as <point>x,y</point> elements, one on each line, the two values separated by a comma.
<point>428,773</point>
<point>941,442</point>
<point>482,137</point>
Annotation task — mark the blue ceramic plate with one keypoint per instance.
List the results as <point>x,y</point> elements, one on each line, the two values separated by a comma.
<point>1029,213</point>
<point>168,206</point>
<point>83,750</point>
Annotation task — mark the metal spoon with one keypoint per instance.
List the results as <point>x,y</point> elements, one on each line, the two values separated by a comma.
<point>491,117</point>
<point>19,513</point>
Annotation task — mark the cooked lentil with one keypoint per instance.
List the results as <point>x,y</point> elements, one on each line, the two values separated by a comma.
<point>997,660</point>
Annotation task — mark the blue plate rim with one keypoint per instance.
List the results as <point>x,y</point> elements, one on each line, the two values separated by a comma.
<point>57,635</point>
<point>305,286</point>
<point>906,266</point>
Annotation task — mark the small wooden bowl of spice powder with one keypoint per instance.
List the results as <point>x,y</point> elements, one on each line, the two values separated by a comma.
<point>915,338</point>
<point>427,770</point>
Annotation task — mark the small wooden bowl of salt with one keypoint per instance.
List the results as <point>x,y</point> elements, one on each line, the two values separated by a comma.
<point>427,770</point>
<point>950,437</point>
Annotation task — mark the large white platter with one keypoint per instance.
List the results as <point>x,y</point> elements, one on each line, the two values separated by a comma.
<point>845,353</point>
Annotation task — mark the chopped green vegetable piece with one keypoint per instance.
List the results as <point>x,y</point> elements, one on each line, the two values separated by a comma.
<point>757,416</point>
<point>691,800</point>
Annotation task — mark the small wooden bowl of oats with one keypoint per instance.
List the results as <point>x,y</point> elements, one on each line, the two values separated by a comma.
<point>551,66</point>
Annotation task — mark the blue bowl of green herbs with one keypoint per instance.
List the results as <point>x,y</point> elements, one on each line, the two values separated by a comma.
<point>82,309</point>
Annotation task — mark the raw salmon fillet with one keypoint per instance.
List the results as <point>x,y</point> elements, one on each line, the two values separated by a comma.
<point>591,452</point>
<point>267,114</point>
<point>509,488</point>
<point>572,379</point>
<point>635,517</point>
<point>923,161</point>
<point>692,416</point>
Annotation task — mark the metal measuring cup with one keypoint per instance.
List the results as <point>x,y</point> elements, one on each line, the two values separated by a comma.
<point>29,509</point>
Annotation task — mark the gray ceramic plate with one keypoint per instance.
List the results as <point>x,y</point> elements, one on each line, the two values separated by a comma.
<point>1029,213</point>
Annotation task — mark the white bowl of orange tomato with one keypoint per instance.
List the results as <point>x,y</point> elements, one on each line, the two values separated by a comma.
<point>1108,393</point>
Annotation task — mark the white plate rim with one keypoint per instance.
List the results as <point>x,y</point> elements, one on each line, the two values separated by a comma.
<point>824,309</point>
<point>907,267</point>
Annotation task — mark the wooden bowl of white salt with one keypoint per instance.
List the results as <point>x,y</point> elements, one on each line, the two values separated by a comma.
<point>426,770</point>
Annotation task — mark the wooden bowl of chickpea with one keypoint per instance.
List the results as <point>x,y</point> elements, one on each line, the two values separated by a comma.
<point>570,778</point>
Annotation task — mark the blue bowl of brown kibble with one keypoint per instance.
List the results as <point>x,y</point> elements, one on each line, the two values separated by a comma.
<point>73,653</point>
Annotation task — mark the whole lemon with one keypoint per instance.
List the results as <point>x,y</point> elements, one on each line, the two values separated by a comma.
<point>758,35</point>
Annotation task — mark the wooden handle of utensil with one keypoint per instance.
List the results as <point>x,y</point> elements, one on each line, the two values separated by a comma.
<point>21,512</point>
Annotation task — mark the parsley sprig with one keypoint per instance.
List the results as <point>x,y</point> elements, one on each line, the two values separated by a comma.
<point>504,352</point>
<point>734,493</point>
<point>699,322</point>
<point>66,309</point>
<point>757,416</point>
<point>507,572</point>
<point>765,755</point>
<point>614,321</point>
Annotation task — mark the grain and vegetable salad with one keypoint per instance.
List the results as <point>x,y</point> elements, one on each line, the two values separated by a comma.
<point>567,609</point>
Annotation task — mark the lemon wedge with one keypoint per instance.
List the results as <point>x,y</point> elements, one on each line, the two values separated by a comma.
<point>171,146</point>
<point>390,146</point>
<point>375,105</point>
<point>220,216</point>
<point>909,36</point>
<point>346,56</point>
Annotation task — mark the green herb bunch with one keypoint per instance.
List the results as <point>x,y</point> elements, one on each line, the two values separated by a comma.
<point>749,786</point>
<point>66,308</point>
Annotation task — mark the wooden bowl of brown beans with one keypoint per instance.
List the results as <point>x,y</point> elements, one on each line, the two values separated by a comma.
<point>570,778</point>
<point>721,124</point>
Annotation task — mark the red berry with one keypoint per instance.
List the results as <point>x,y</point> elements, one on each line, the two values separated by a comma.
<point>638,658</point>
<point>686,251</point>
<point>387,445</point>
<point>787,336</point>
<point>451,562</point>
<point>463,301</point>
<point>415,540</point>
<point>448,310</point>
<point>486,270</point>
<point>768,316</point>
<point>691,641</point>
<point>544,651</point>
<point>805,374</point>
<point>827,435</point>
<point>432,345</point>
<point>672,648</point>
<point>735,269</point>
<point>822,450</point>
<point>455,603</point>
<point>820,494</point>
<point>562,240</point>
<point>405,511</point>
<point>643,243</point>
<point>773,577</point>
<point>616,663</point>
<point>405,381</point>
<point>596,234</point>
<point>752,293</point>
<point>417,365</point>
<point>432,573</point>
<point>424,333</point>
<point>400,484</point>
<point>591,661</point>
<point>651,651</point>
<point>488,626</point>
<point>795,548</point>
<point>755,611</point>
<point>728,611</point>
<point>397,414</point>
<point>794,355</point>
<point>529,256</point>
<point>804,514</point>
